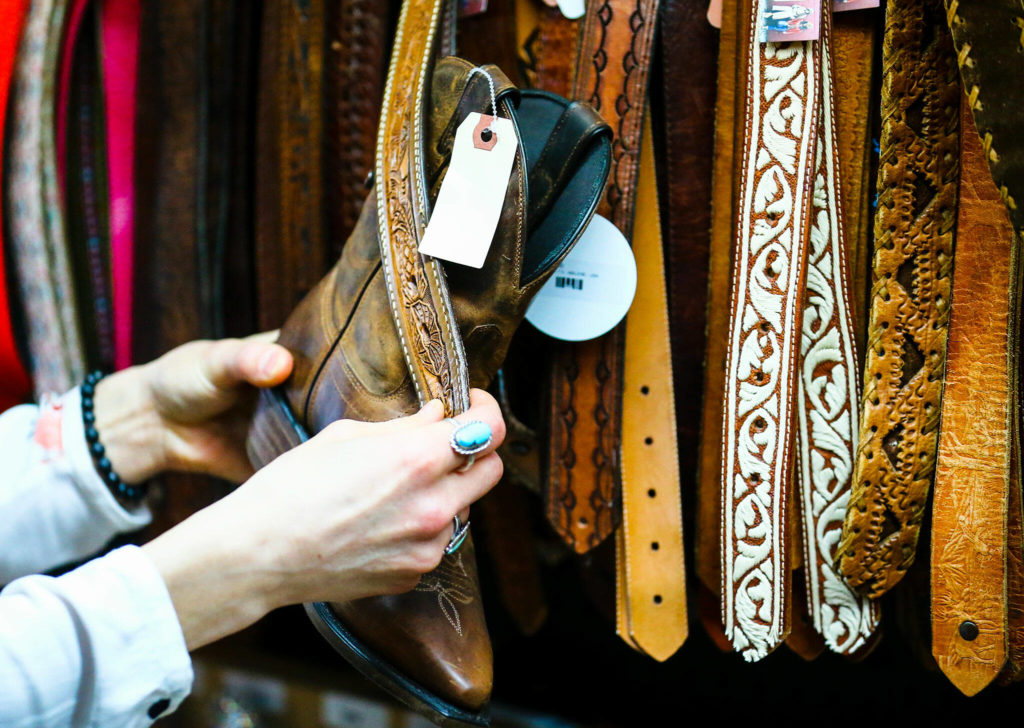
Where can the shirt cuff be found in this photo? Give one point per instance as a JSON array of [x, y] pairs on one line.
[[142, 666], [94, 491]]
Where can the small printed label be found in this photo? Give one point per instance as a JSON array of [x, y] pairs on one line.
[[592, 289], [572, 9], [841, 5], [468, 207], [788, 20]]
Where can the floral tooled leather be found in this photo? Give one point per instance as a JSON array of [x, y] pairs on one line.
[[906, 343], [773, 206], [583, 494]]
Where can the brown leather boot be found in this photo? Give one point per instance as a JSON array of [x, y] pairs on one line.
[[430, 646]]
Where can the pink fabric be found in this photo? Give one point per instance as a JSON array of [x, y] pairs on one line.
[[67, 55], [120, 43]]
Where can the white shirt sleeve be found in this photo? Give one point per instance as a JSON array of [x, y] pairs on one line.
[[54, 508], [98, 646]]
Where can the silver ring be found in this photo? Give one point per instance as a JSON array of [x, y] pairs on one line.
[[459, 533], [479, 440]]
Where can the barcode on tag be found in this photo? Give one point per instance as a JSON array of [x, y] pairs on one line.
[[566, 282]]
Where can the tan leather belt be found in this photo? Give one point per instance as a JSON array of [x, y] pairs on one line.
[[582, 497], [770, 246], [827, 392], [906, 342], [972, 471], [1014, 668], [651, 583]]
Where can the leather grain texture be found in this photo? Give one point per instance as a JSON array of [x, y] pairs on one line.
[[911, 266], [854, 43], [684, 141], [773, 207], [709, 471], [972, 470], [291, 248], [583, 493], [651, 590]]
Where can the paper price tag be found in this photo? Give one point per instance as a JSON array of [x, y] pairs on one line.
[[468, 207], [592, 289], [572, 9], [786, 20]]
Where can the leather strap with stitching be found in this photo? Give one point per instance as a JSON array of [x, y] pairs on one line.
[[582, 497], [773, 206], [827, 391]]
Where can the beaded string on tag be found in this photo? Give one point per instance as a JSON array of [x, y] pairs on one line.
[[132, 494], [487, 133]]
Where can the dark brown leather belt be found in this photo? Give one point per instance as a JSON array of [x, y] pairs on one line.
[[583, 492]]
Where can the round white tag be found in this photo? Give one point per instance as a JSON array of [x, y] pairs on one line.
[[592, 289], [572, 9]]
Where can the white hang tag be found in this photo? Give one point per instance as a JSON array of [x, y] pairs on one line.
[[572, 9], [465, 216], [592, 289]]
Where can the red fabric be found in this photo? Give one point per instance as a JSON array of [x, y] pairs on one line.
[[120, 42], [15, 384]]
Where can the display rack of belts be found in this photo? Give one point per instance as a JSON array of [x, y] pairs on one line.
[[786, 482]]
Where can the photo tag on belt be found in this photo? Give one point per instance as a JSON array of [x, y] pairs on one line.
[[840, 5], [786, 20], [465, 216], [592, 289]]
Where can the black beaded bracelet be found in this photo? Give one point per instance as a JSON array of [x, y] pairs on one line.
[[131, 494]]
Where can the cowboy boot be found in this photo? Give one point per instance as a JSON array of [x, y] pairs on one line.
[[430, 646]]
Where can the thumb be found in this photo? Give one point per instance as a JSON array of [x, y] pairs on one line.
[[253, 361]]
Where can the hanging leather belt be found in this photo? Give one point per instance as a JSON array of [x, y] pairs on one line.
[[972, 471], [353, 81], [853, 53], [827, 391], [770, 250], [709, 470], [33, 198], [651, 575], [914, 227], [291, 251], [547, 43], [582, 497]]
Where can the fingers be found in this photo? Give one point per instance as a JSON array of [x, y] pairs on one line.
[[436, 449], [255, 361], [430, 413]]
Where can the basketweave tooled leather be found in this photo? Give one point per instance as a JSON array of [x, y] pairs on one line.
[[349, 362], [686, 138], [854, 37], [707, 543], [989, 43], [827, 389], [355, 64], [972, 470], [292, 253], [772, 226], [911, 267], [32, 200], [582, 499]]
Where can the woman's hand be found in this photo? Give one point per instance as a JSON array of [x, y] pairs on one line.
[[361, 509], [188, 410]]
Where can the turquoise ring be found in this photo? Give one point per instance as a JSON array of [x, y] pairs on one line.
[[469, 439]]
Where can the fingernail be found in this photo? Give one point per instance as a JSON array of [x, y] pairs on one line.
[[270, 363]]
